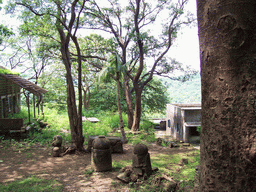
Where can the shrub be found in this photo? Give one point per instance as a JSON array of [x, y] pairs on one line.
[[198, 128], [147, 126]]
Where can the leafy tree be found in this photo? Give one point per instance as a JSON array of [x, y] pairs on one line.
[[60, 21], [227, 50], [95, 50], [53, 80], [103, 97], [130, 26], [155, 97], [4, 32], [114, 71]]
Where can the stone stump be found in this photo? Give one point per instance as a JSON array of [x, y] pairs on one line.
[[116, 145], [101, 159], [141, 159], [57, 148], [141, 166]]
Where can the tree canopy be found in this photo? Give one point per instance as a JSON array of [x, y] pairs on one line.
[[55, 34]]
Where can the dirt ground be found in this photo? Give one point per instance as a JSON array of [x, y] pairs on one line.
[[68, 170]]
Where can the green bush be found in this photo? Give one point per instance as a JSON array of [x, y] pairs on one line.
[[147, 125], [91, 129], [198, 128], [23, 114]]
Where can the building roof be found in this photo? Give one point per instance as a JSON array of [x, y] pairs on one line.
[[193, 106], [187, 105], [190, 108], [25, 84]]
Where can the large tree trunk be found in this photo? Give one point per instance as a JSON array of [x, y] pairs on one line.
[[86, 98], [77, 138], [227, 35], [137, 110], [128, 98], [123, 136], [75, 119], [79, 130]]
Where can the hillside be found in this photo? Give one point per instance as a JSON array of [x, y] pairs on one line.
[[185, 92]]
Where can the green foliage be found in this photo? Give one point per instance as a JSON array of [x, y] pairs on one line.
[[88, 171], [198, 129], [23, 114], [155, 97], [54, 81], [108, 121], [31, 184], [103, 98], [179, 172], [4, 32], [58, 125], [147, 126], [57, 119], [112, 120], [8, 72], [91, 129], [142, 137], [185, 92]]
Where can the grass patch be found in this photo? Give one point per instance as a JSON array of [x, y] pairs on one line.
[[88, 171], [58, 124], [169, 165], [117, 165], [32, 184]]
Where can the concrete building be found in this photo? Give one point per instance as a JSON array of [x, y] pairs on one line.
[[182, 121]]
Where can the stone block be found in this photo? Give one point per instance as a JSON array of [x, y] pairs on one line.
[[116, 144], [101, 159]]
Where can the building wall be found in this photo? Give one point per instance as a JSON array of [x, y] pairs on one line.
[[193, 115], [9, 97], [177, 118], [174, 121]]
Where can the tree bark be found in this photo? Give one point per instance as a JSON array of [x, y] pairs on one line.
[[228, 71], [128, 99], [75, 120], [123, 136], [136, 80], [86, 99], [79, 130], [137, 110]]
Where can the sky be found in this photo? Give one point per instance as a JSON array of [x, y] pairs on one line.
[[185, 49]]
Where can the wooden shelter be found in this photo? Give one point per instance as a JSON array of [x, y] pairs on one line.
[[10, 91]]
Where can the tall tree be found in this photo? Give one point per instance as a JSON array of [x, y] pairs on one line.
[[94, 49], [115, 70], [228, 70], [130, 25], [47, 19]]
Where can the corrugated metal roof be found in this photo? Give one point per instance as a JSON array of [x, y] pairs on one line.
[[25, 84]]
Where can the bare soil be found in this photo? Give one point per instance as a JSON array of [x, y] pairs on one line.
[[68, 170]]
